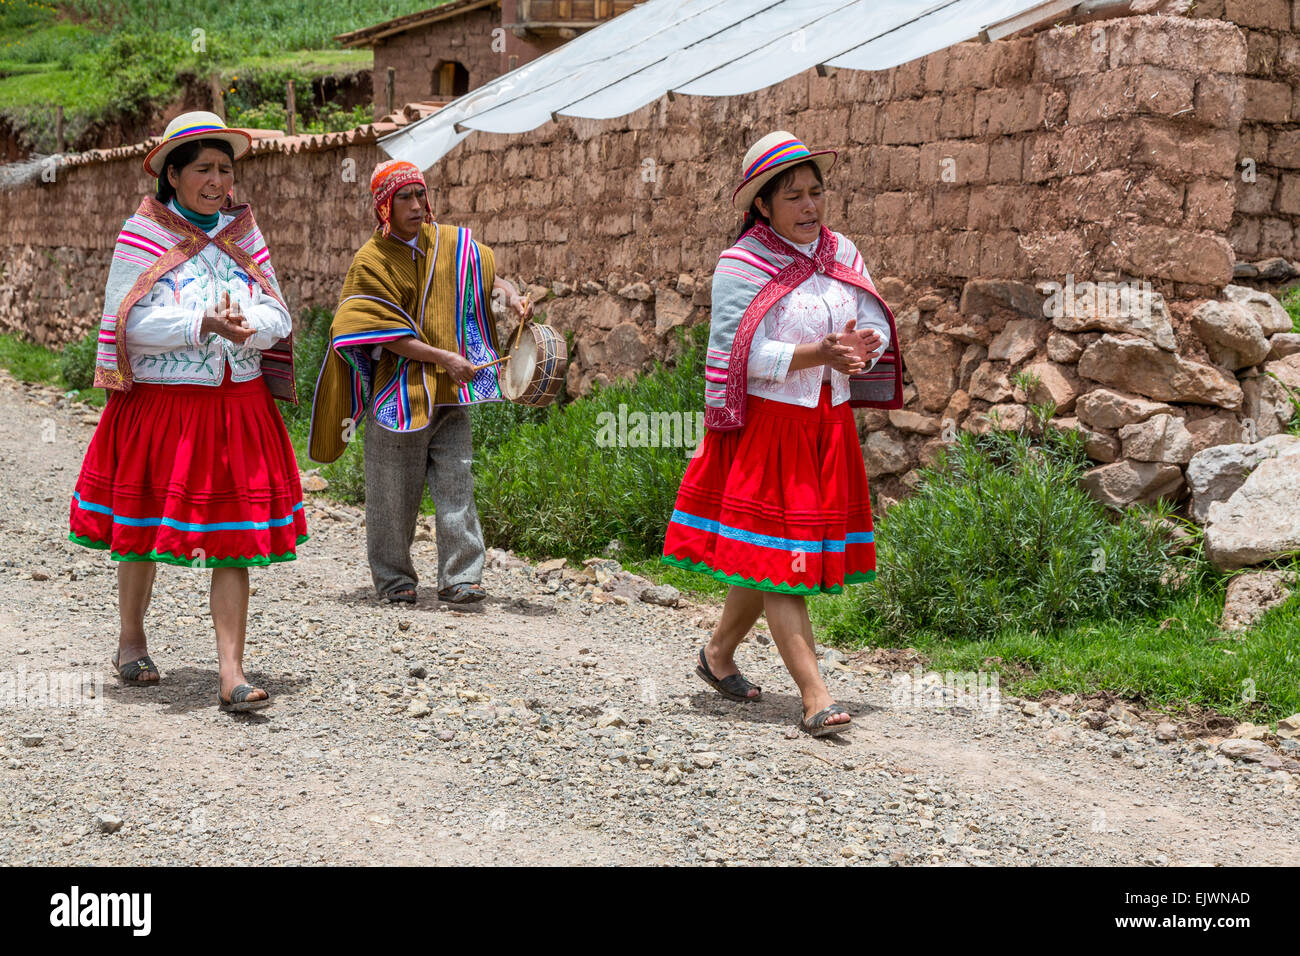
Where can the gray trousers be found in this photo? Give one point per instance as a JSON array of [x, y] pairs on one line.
[[398, 465]]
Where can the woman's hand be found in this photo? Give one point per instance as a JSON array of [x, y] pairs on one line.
[[839, 352], [869, 344], [227, 321]]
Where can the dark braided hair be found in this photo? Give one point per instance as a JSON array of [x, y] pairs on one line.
[[182, 156], [779, 181]]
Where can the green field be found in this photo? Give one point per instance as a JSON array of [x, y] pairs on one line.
[[101, 59]]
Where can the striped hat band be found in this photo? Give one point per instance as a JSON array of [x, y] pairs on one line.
[[780, 153]]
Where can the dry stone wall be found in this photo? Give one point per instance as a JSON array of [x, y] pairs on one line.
[[982, 183]]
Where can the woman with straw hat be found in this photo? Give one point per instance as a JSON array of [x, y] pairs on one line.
[[775, 502], [191, 463]]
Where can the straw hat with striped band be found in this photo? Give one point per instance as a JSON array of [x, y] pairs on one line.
[[196, 125], [770, 155]]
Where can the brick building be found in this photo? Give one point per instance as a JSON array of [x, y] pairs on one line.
[[455, 47]]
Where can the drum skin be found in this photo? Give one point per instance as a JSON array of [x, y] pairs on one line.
[[534, 372]]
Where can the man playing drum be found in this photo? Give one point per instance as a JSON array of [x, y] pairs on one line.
[[413, 326]]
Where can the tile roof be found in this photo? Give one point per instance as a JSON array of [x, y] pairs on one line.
[[277, 141]]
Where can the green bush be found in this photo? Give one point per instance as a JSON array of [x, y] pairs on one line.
[[78, 362], [1291, 302], [1000, 533], [550, 488]]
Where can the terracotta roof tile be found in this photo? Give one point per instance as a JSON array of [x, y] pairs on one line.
[[277, 141]]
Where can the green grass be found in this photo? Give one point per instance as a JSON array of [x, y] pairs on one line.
[[29, 362], [1171, 658], [1291, 302], [101, 59]]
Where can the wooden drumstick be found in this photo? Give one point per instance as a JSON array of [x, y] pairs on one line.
[[490, 364], [507, 358]]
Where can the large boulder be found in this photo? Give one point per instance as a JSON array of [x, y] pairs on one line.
[[1216, 473], [885, 455], [1268, 399], [1221, 428], [1261, 521], [915, 422], [1231, 333], [1130, 482], [1064, 348], [1119, 309], [1007, 417], [1017, 341], [1136, 365], [982, 296], [1056, 383], [1284, 344], [1250, 596], [932, 361], [1268, 311], [1106, 408], [990, 383], [1096, 445], [1159, 438]]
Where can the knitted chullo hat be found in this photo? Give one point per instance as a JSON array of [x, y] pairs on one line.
[[386, 180]]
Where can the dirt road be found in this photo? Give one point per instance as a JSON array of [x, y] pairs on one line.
[[540, 728]]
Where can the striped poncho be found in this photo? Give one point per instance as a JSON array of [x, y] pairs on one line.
[[156, 240], [442, 298], [751, 277]]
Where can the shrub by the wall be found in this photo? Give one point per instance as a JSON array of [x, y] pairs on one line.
[[553, 487], [1000, 533]]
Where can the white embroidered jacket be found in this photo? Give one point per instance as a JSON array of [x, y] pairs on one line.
[[162, 334], [818, 307]]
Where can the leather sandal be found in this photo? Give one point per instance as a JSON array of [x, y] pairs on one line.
[[239, 702], [816, 725], [130, 672], [400, 596], [733, 686], [462, 593]]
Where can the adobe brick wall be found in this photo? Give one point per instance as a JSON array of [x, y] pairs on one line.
[[414, 55], [1266, 219], [1106, 150]]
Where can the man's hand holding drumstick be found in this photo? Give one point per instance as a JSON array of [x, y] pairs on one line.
[[457, 366]]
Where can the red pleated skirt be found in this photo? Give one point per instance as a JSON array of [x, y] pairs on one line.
[[191, 474], [779, 505]]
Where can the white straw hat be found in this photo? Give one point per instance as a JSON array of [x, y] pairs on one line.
[[768, 157], [196, 125]]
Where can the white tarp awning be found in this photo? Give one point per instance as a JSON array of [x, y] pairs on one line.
[[703, 48]]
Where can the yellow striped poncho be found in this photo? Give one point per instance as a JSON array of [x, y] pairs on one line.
[[443, 297]]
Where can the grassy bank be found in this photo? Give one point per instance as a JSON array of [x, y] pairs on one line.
[[107, 59]]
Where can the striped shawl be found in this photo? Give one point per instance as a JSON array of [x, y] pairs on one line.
[[751, 277], [153, 242], [443, 298]]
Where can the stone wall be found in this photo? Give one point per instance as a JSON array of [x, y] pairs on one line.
[[1266, 220], [967, 178]]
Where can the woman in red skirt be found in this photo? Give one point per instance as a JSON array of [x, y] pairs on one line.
[[776, 502], [191, 463]]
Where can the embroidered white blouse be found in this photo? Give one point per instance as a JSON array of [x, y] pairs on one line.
[[162, 334], [819, 306]]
